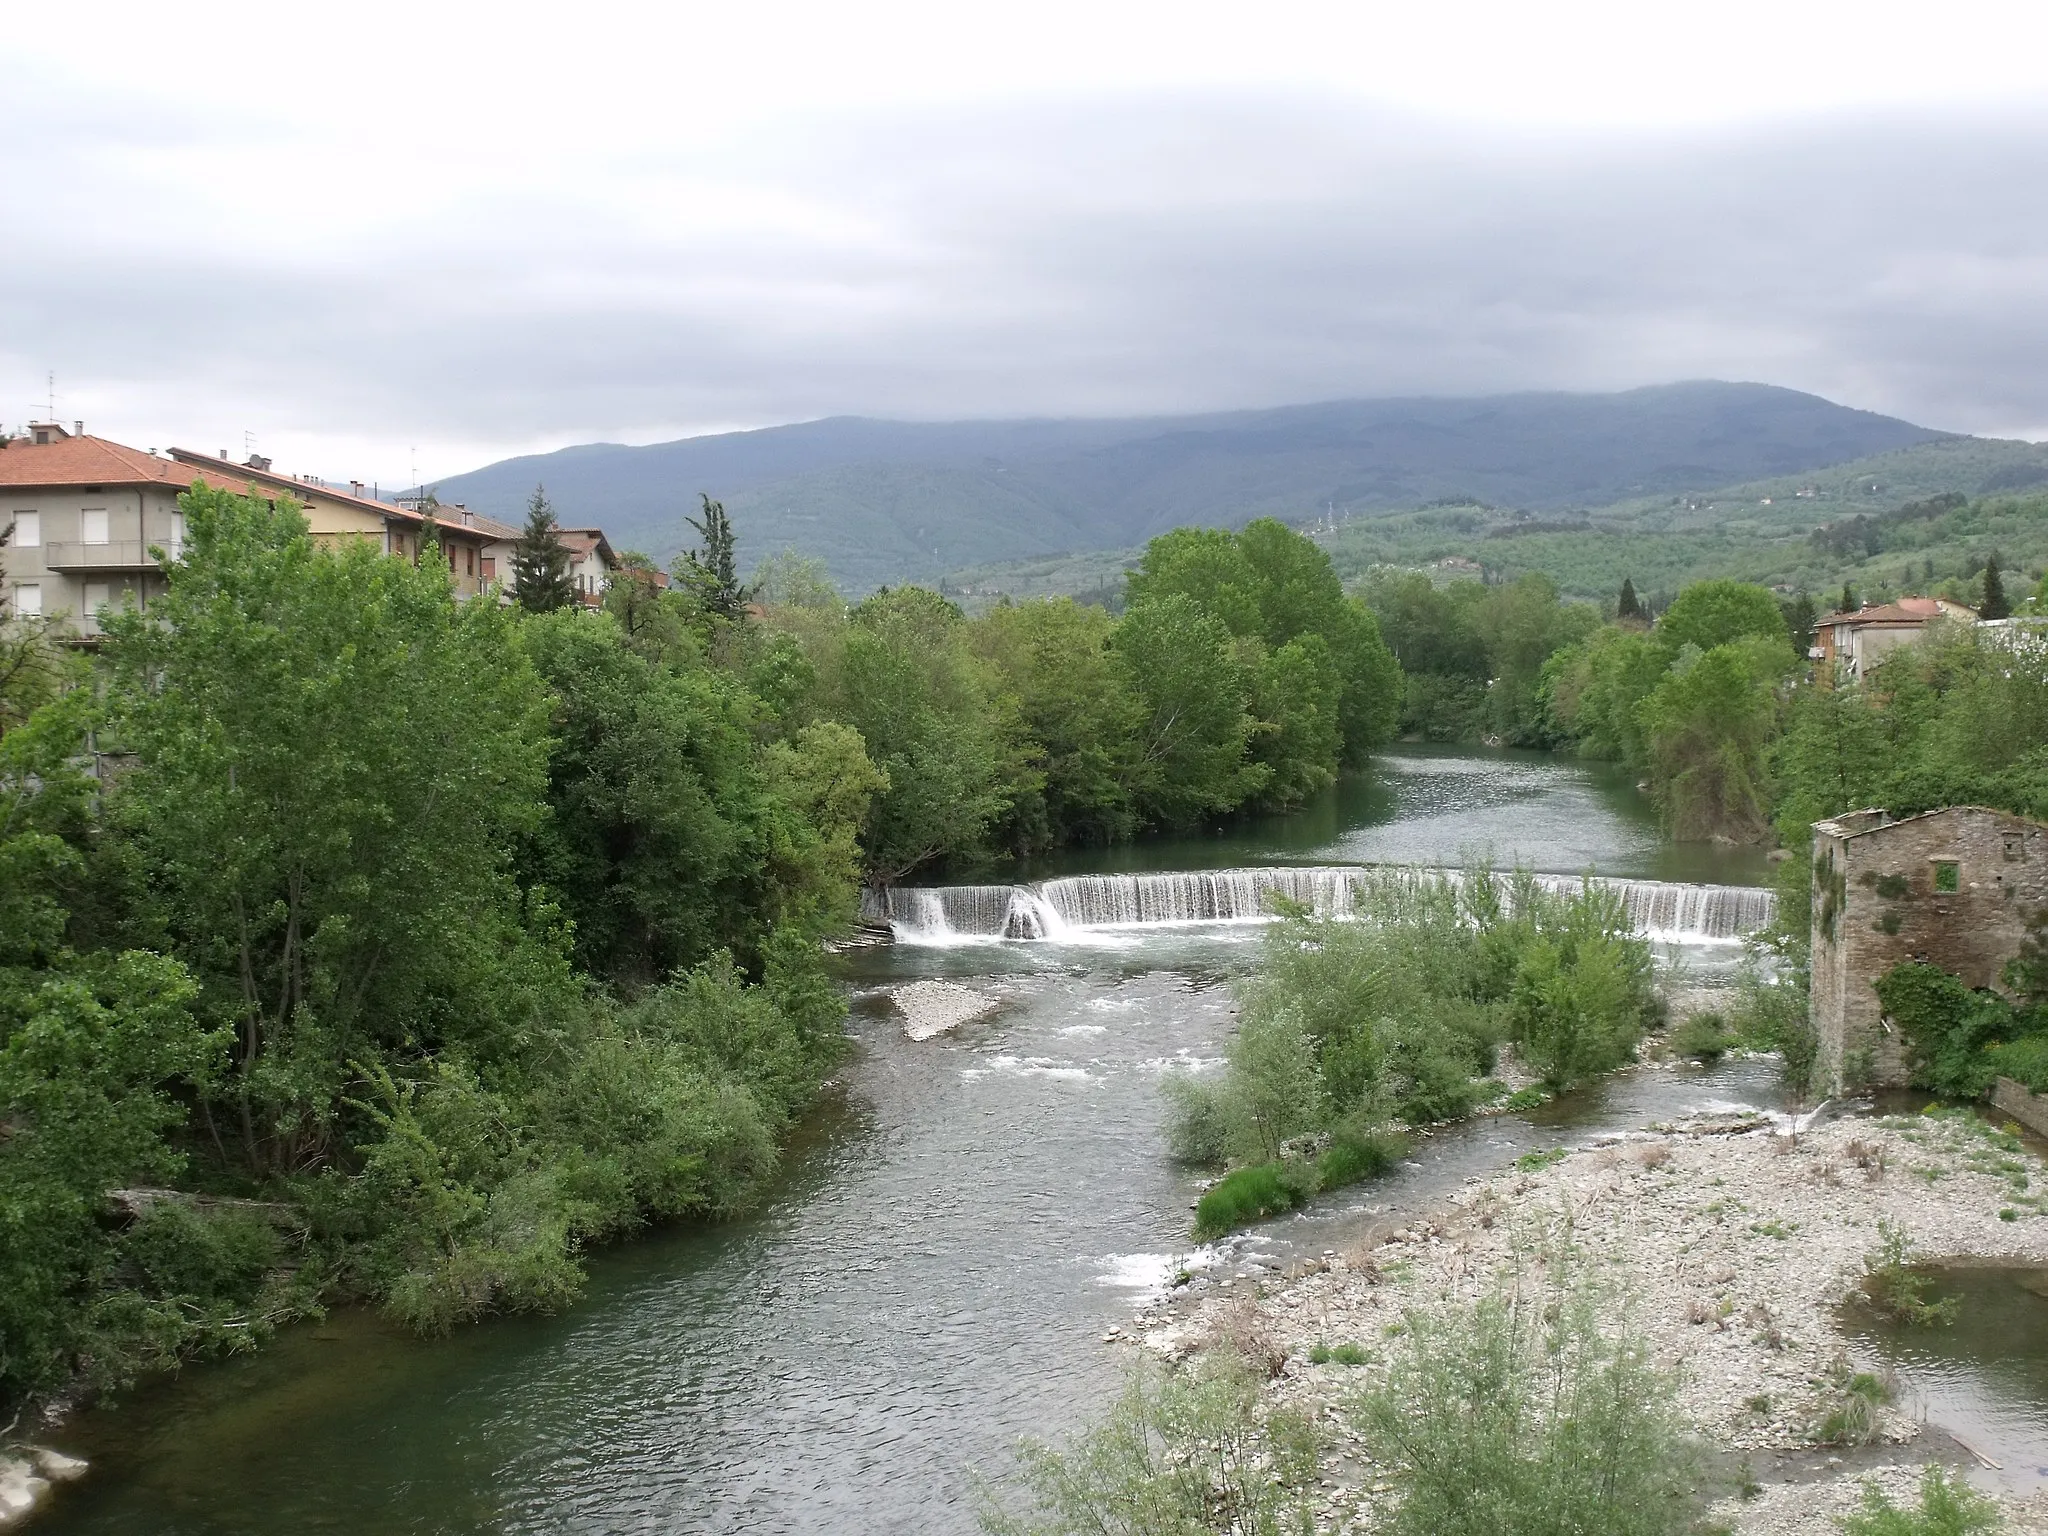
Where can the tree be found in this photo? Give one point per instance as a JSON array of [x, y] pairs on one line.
[[1711, 613], [1848, 599], [713, 571], [1195, 719], [1995, 604], [1708, 723], [1627, 606], [1077, 711], [540, 560], [335, 759]]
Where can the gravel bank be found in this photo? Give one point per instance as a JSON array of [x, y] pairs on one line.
[[932, 1007], [1736, 1245]]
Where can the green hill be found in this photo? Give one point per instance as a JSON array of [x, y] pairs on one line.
[[1759, 530], [885, 502]]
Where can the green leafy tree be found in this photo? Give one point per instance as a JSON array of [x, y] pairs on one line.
[[334, 760], [540, 560], [1297, 695], [1079, 713], [1627, 606], [902, 673], [1180, 663], [1708, 724], [1711, 613]]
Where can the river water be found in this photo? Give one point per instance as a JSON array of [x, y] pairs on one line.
[[958, 1226]]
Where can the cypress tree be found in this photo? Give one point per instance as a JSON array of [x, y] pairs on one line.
[[540, 560], [1848, 599], [714, 571], [1626, 606], [1995, 605]]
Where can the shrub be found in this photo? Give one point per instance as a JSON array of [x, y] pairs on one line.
[[1894, 1287], [1183, 1452], [1252, 1194], [1197, 1119], [1948, 1507], [1947, 1026], [1355, 1154], [1704, 1038], [1520, 1417], [2024, 1061], [1848, 1412]]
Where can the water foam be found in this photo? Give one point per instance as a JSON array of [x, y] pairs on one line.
[[1081, 909]]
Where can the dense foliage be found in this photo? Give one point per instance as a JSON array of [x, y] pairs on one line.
[[1392, 1015], [1239, 676], [397, 948]]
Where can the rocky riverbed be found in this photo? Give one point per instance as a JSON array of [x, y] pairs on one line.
[[1735, 1243]]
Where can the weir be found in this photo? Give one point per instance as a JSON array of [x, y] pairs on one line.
[[1052, 909]]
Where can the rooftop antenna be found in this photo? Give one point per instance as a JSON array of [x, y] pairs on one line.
[[53, 396], [248, 444]]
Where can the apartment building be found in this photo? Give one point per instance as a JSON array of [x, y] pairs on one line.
[[85, 514], [479, 549]]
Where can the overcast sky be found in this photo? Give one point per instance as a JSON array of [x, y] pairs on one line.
[[395, 234]]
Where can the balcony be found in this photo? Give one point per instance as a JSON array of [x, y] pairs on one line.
[[120, 555]]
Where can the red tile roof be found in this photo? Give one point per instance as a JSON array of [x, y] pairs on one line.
[[445, 517], [581, 541], [1907, 610], [79, 461]]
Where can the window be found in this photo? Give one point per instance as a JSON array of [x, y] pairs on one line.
[[176, 547], [490, 568], [97, 595], [28, 600], [2015, 847], [1947, 876], [92, 526], [28, 530]]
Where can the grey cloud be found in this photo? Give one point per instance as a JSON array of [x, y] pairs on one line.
[[1076, 258]]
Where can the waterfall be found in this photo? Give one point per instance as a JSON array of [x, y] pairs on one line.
[[1663, 910]]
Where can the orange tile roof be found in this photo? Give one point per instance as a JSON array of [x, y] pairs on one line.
[[79, 461], [448, 517], [1907, 610]]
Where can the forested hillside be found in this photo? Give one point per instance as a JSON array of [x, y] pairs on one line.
[[886, 502]]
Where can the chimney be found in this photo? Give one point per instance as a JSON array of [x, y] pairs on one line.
[[224, 456], [78, 429], [355, 488]]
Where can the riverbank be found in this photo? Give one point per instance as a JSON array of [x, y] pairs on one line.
[[1737, 1244]]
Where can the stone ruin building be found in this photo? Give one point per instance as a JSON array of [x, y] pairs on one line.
[[1957, 888]]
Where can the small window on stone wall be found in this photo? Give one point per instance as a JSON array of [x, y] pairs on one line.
[[1947, 876], [2015, 847]]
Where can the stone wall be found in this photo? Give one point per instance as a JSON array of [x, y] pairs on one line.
[[2030, 1109], [1956, 888]]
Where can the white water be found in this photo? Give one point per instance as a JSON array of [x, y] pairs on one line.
[[1079, 906]]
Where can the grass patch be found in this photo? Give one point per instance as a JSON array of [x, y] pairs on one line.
[[1536, 1162], [1895, 1287], [1252, 1194], [1356, 1155], [1948, 1506], [1339, 1354]]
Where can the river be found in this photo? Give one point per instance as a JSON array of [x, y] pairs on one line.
[[959, 1224]]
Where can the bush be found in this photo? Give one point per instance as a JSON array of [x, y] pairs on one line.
[[1519, 1417], [1894, 1287], [1947, 1027], [1182, 1452], [1252, 1194], [1848, 1414], [1355, 1154], [2024, 1061], [1948, 1507], [1704, 1038]]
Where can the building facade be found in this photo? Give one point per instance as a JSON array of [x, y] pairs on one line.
[[1957, 888], [86, 519], [591, 564], [1850, 643]]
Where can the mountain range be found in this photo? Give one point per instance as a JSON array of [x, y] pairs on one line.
[[891, 501]]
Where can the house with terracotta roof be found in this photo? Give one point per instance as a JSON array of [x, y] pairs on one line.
[[478, 548], [1848, 644], [591, 564], [85, 518]]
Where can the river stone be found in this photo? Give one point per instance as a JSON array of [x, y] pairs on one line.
[[20, 1489], [932, 1007]]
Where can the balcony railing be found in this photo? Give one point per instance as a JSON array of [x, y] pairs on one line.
[[120, 555]]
